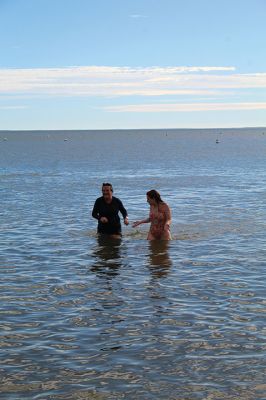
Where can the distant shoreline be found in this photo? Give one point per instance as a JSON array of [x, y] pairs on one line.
[[252, 128]]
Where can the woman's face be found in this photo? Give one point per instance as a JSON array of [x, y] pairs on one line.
[[151, 201]]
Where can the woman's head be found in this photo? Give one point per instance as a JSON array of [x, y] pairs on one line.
[[153, 197]]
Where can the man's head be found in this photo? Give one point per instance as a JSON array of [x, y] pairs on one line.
[[107, 191]]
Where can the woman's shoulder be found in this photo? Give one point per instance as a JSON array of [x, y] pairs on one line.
[[163, 205]]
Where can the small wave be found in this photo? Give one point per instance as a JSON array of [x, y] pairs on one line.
[[13, 175], [136, 234], [82, 232]]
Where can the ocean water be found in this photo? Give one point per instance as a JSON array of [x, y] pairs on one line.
[[83, 318]]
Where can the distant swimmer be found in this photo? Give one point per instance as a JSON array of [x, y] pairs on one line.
[[160, 217], [106, 210]]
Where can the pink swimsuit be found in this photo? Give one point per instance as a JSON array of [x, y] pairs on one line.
[[158, 220]]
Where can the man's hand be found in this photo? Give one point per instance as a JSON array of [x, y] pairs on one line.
[[103, 220], [126, 221]]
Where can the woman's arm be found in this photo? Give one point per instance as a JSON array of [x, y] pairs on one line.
[[143, 221], [168, 218]]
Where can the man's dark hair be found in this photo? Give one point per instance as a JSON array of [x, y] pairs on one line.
[[107, 184]]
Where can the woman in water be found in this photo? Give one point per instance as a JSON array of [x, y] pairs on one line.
[[160, 217]]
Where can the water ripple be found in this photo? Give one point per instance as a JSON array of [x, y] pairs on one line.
[[86, 319]]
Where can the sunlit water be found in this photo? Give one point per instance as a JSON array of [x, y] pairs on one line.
[[83, 318]]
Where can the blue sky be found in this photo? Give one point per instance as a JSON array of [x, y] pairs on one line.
[[114, 64]]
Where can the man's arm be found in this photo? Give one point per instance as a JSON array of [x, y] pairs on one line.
[[123, 211], [96, 211]]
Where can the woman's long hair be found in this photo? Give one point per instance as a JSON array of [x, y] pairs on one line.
[[153, 194]]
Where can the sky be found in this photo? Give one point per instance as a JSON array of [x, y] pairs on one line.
[[132, 64]]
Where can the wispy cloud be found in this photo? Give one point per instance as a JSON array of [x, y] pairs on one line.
[[104, 81], [138, 16], [12, 107], [107, 81], [187, 107]]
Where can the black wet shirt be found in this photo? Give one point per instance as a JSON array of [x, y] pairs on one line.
[[110, 211]]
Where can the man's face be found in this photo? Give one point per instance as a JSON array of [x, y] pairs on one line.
[[107, 192]]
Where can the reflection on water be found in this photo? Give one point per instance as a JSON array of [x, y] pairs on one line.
[[107, 256], [158, 257]]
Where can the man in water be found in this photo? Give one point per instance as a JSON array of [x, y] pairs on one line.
[[106, 209]]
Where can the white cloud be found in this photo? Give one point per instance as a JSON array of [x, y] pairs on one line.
[[101, 81], [104, 81], [12, 107], [138, 16], [187, 107]]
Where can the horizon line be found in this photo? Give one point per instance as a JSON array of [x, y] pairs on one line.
[[128, 129]]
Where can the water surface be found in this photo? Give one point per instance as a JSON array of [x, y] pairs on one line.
[[83, 317]]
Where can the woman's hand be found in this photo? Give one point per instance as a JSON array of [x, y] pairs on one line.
[[126, 221], [103, 220], [136, 223]]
